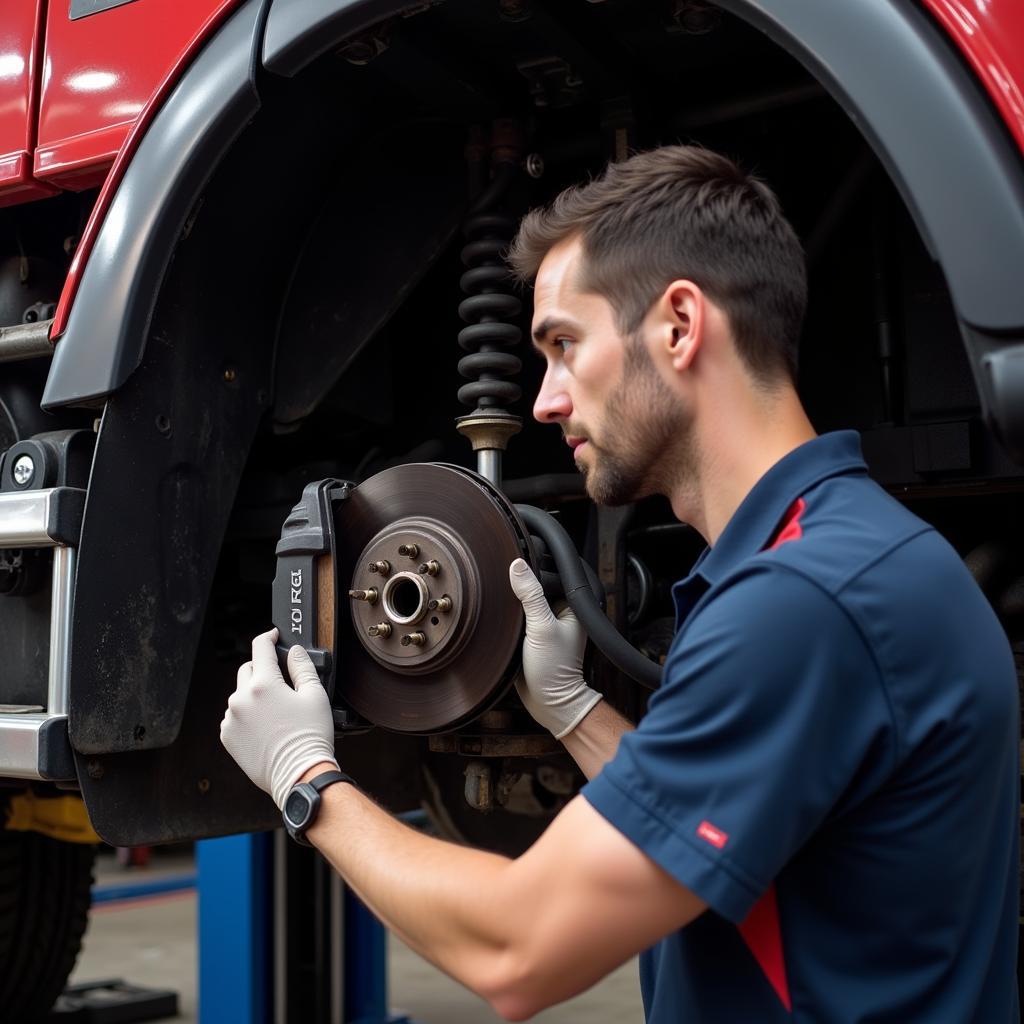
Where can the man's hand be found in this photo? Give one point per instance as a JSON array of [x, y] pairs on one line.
[[552, 686], [275, 732]]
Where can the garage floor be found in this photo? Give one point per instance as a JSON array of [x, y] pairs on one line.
[[152, 942]]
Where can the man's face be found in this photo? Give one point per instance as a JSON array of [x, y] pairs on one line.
[[629, 431]]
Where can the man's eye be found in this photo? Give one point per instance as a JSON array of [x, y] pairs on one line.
[[563, 344]]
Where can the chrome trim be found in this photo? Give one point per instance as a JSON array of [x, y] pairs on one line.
[[62, 595], [24, 517]]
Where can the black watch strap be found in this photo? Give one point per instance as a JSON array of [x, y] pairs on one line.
[[325, 779]]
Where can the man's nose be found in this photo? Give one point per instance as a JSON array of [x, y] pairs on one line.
[[553, 403]]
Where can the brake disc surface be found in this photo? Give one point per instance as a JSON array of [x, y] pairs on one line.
[[435, 628]]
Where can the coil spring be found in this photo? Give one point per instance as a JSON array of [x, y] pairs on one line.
[[486, 311]]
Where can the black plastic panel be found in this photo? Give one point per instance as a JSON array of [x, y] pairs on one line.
[[106, 333], [56, 762]]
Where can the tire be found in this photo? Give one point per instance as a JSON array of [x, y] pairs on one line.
[[44, 909]]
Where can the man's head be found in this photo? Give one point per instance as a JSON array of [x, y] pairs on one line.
[[675, 240]]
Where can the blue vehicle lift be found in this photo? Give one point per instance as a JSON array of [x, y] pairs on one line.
[[281, 939]]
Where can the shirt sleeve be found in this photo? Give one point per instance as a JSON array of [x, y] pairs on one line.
[[771, 705]]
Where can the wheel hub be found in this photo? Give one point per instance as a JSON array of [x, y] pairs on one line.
[[427, 603]]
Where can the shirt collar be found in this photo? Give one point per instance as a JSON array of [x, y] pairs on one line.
[[755, 521]]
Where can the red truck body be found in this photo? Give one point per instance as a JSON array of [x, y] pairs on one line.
[[71, 91]]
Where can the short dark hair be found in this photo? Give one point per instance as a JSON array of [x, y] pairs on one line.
[[682, 212]]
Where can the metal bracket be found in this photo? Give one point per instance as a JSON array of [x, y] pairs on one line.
[[34, 744]]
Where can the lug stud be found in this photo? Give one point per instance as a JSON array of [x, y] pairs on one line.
[[431, 568], [382, 629], [417, 639], [440, 604], [369, 596], [409, 550], [383, 567]]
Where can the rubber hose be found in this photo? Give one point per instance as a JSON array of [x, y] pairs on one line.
[[554, 590], [609, 641]]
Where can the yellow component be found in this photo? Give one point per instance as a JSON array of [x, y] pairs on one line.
[[59, 817]]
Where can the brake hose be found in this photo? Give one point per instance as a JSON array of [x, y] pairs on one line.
[[608, 640]]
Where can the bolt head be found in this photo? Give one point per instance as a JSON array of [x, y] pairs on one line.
[[24, 470]]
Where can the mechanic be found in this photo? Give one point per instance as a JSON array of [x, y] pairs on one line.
[[817, 818]]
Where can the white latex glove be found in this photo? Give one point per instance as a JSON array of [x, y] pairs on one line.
[[274, 732], [551, 686]]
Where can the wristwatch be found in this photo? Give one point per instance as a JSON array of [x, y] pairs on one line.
[[302, 804]]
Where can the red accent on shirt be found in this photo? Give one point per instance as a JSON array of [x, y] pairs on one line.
[[761, 932], [715, 836], [790, 528], [760, 929]]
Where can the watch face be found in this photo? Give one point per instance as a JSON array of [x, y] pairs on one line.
[[296, 808]]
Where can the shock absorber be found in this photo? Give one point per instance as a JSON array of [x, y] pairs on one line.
[[488, 309]]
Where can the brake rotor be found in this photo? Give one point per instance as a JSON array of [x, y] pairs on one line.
[[423, 552]]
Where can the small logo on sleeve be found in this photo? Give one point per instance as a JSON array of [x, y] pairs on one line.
[[715, 836]]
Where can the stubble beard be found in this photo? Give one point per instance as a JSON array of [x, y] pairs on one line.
[[647, 438]]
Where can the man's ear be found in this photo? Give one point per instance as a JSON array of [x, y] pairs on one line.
[[680, 312]]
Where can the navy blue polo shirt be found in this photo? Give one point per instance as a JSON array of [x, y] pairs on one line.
[[831, 764]]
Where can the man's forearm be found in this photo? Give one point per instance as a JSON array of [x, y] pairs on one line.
[[439, 898], [523, 933], [595, 740]]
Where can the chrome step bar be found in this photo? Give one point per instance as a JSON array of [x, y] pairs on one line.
[[34, 744]]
